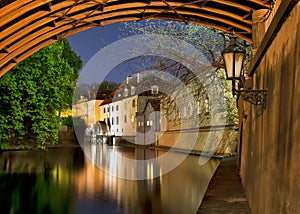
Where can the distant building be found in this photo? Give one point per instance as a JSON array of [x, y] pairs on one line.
[[130, 113], [87, 109]]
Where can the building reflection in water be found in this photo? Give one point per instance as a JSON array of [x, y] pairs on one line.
[[64, 180], [179, 191]]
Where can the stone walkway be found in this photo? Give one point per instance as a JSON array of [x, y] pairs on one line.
[[225, 193]]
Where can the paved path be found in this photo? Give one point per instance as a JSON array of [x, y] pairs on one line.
[[225, 193]]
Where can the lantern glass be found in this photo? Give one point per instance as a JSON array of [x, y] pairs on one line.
[[238, 64], [228, 59]]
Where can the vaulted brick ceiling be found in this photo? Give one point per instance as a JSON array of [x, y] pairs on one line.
[[29, 25]]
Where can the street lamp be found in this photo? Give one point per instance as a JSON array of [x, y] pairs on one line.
[[233, 57]]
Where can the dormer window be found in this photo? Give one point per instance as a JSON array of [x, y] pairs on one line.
[[132, 90], [126, 92], [154, 89]]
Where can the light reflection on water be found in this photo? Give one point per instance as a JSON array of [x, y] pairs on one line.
[[65, 181]]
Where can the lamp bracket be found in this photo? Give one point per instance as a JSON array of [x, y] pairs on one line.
[[253, 96]]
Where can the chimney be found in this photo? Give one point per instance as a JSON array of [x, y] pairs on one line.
[[139, 77], [128, 78]]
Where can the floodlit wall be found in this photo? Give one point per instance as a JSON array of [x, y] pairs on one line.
[[121, 114], [270, 150]]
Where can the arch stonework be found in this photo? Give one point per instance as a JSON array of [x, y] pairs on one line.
[[26, 26]]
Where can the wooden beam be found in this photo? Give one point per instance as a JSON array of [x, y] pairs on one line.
[[28, 53], [12, 6], [239, 6], [20, 11], [21, 33], [18, 39]]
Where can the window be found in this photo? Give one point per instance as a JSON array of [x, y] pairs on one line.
[[154, 89], [151, 123], [112, 108], [198, 107], [126, 92], [125, 119], [148, 123], [117, 120], [112, 121], [132, 90], [133, 103], [117, 108], [132, 118], [108, 109], [104, 110]]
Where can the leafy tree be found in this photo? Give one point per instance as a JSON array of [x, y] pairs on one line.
[[34, 91], [90, 91], [108, 85]]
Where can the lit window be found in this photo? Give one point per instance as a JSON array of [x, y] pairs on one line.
[[126, 92], [154, 89], [132, 118], [148, 123], [132, 90], [198, 107], [151, 123]]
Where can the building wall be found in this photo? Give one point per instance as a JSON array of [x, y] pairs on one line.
[[88, 110], [190, 123], [120, 109], [270, 149]]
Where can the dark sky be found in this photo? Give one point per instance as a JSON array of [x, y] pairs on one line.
[[87, 43]]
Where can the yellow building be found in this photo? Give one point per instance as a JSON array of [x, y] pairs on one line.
[[88, 109]]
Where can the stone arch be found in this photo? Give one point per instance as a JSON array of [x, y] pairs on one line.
[[26, 26]]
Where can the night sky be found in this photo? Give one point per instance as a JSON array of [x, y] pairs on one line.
[[87, 43]]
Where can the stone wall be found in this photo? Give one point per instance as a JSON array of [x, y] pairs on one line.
[[218, 141], [270, 148]]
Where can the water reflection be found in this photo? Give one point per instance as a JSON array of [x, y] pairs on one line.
[[64, 181]]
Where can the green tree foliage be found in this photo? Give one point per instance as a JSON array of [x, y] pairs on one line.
[[34, 91], [90, 91]]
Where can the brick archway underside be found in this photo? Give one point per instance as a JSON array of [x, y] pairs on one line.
[[26, 26]]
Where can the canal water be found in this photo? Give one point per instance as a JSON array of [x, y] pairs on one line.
[[65, 180]]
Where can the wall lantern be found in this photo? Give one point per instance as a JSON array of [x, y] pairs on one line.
[[233, 57]]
